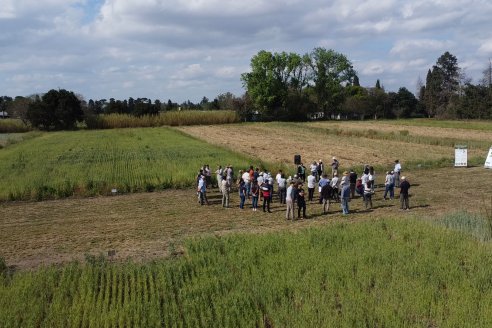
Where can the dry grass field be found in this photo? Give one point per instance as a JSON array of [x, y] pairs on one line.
[[424, 131], [278, 142], [154, 225]]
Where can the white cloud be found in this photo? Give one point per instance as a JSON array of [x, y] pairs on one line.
[[187, 49]]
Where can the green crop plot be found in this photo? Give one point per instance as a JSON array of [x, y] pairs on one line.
[[380, 273], [62, 164]]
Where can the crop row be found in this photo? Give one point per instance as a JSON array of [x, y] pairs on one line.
[[378, 273], [62, 164]]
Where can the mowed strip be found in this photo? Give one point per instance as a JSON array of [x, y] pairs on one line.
[[278, 142], [153, 225], [460, 134]]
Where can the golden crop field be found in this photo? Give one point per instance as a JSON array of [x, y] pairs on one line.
[[353, 143]]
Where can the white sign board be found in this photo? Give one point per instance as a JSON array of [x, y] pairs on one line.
[[460, 156], [488, 161]]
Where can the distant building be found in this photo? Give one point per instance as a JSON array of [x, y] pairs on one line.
[[316, 116], [4, 115]]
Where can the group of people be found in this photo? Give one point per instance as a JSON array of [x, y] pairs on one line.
[[255, 186]]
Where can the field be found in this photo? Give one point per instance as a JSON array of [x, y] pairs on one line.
[[88, 163], [375, 273], [180, 264], [354, 144]]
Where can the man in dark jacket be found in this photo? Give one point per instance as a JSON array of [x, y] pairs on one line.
[[404, 186]]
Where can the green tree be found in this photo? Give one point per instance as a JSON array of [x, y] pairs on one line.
[[268, 83], [442, 86], [329, 71], [56, 110]]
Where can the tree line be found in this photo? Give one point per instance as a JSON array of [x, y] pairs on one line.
[[321, 84]]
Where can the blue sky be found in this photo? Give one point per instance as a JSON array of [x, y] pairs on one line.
[[187, 49]]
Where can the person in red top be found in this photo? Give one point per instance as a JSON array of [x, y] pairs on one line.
[[265, 190], [404, 186]]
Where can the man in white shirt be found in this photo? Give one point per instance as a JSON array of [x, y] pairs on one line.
[[290, 201], [334, 184], [282, 188], [397, 171], [311, 181], [247, 183]]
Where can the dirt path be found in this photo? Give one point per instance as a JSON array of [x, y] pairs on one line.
[[152, 225]]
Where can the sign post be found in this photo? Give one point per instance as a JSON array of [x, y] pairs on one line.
[[488, 161], [460, 156]]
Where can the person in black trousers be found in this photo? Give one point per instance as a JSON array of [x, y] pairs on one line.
[[301, 203], [404, 186]]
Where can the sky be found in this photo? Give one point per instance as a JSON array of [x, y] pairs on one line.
[[187, 49]]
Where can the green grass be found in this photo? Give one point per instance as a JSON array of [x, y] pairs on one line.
[[62, 164], [387, 273]]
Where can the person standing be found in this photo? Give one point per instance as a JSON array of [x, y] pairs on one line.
[[334, 167], [266, 190], [397, 172], [368, 195], [226, 190], [353, 182], [321, 169], [372, 178], [202, 190], [242, 193], [404, 186], [255, 193], [389, 185], [219, 174], [334, 184], [208, 175], [289, 200], [314, 169], [325, 196], [301, 172], [322, 182], [301, 203], [345, 199], [247, 182], [311, 182], [282, 188]]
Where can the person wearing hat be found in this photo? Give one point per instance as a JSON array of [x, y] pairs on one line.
[[404, 186], [345, 196]]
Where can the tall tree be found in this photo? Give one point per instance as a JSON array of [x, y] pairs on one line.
[[269, 81], [330, 70], [56, 110]]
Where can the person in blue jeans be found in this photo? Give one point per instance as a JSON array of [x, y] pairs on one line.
[[255, 193], [242, 193], [345, 199], [389, 185]]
